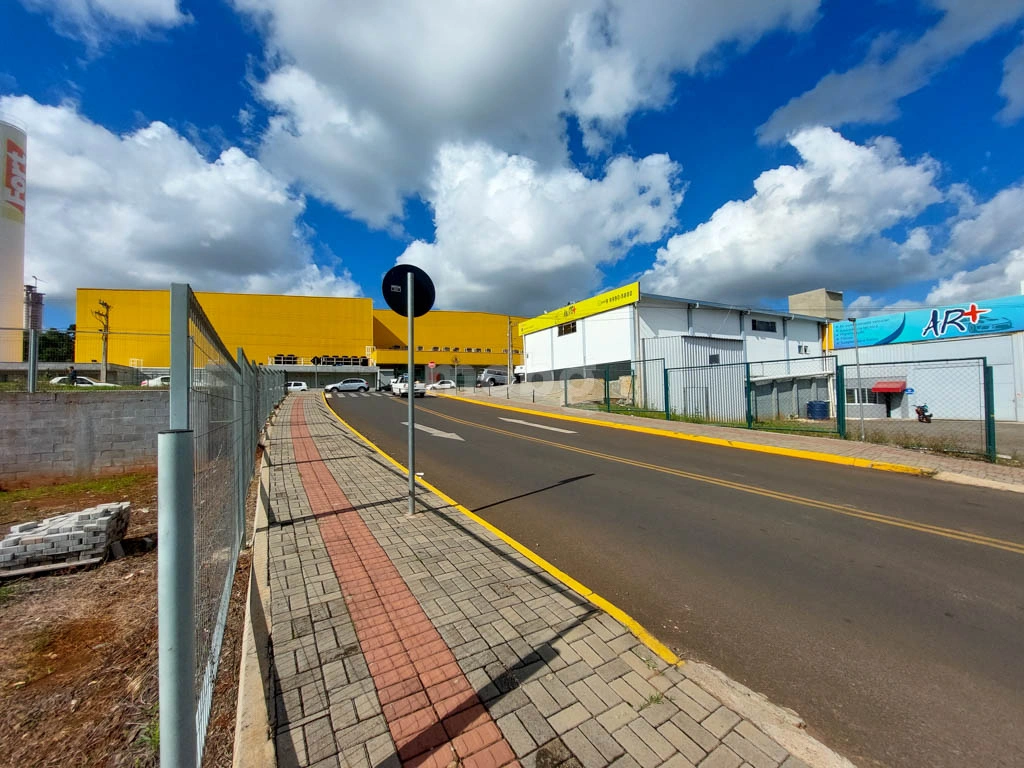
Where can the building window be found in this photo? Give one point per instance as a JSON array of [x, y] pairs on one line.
[[478, 349], [488, 350], [504, 351], [866, 396], [714, 359], [767, 326], [447, 349], [419, 349], [455, 349], [566, 328], [434, 349]]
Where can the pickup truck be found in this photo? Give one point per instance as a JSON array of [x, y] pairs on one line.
[[400, 387]]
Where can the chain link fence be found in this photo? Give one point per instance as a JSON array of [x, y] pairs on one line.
[[939, 405], [219, 403], [46, 360]]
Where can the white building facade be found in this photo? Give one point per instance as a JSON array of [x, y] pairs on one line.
[[912, 352], [625, 326]]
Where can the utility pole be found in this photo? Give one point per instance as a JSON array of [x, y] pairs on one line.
[[103, 315], [508, 377]]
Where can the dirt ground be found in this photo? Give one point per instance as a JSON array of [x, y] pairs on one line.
[[78, 648]]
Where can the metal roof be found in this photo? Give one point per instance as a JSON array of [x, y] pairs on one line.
[[717, 305]]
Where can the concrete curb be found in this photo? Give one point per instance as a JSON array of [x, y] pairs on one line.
[[784, 726], [796, 453], [254, 733], [979, 482]]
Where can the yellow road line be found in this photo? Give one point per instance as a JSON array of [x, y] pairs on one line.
[[842, 509], [645, 637], [794, 453]]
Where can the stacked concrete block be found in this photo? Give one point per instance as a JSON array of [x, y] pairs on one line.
[[68, 538]]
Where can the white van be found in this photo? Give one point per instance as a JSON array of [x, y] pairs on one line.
[[297, 386]]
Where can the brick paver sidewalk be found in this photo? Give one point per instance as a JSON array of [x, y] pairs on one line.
[[428, 641]]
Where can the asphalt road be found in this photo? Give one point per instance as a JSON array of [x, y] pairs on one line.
[[888, 610]]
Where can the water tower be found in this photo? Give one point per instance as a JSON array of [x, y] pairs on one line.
[[12, 240]]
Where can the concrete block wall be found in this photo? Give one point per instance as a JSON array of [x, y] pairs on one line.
[[64, 436]]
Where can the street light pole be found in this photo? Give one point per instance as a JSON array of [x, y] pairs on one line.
[[411, 393], [856, 355]]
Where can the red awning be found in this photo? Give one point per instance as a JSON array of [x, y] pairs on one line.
[[889, 386]]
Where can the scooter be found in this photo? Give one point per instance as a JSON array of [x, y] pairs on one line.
[[923, 414]]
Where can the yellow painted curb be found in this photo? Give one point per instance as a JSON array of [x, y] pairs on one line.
[[794, 453], [595, 599]]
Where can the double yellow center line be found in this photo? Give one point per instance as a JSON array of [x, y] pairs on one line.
[[841, 509]]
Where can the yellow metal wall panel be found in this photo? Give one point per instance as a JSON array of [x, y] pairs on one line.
[[304, 326], [453, 334], [617, 297]]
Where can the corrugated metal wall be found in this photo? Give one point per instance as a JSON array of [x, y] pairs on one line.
[[693, 351]]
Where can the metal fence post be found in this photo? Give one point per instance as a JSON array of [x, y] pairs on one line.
[[175, 591], [241, 440], [750, 413], [990, 412], [33, 359], [668, 408], [841, 400], [181, 374], [607, 388], [565, 392]]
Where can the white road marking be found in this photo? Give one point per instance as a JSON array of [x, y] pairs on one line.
[[538, 426], [436, 432], [364, 394], [329, 395]]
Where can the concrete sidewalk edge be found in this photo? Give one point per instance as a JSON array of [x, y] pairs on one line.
[[783, 725], [254, 733], [796, 453], [954, 477]]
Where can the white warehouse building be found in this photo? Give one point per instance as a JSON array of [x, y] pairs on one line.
[[698, 349]]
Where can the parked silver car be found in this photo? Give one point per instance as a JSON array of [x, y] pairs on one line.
[[348, 385]]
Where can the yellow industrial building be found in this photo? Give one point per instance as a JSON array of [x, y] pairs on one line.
[[292, 330]]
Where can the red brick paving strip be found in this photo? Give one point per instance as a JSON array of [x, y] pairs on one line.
[[432, 711]]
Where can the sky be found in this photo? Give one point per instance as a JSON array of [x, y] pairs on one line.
[[525, 153]]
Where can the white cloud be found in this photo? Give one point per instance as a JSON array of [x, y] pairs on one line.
[[367, 93], [1012, 87], [869, 92], [144, 209], [511, 236], [93, 21], [623, 54], [817, 224], [989, 248]]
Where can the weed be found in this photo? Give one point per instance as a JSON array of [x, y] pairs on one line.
[[150, 736], [7, 592], [654, 698]]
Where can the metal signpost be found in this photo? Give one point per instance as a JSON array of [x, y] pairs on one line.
[[860, 389], [409, 292]]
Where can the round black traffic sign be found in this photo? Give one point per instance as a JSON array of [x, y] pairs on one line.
[[394, 288]]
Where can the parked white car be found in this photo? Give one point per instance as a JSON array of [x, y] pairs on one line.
[[443, 384], [348, 385], [158, 381], [297, 386], [80, 381]]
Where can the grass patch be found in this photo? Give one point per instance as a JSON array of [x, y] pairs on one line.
[[7, 593], [106, 485]]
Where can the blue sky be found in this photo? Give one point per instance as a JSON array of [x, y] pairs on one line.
[[526, 154]]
